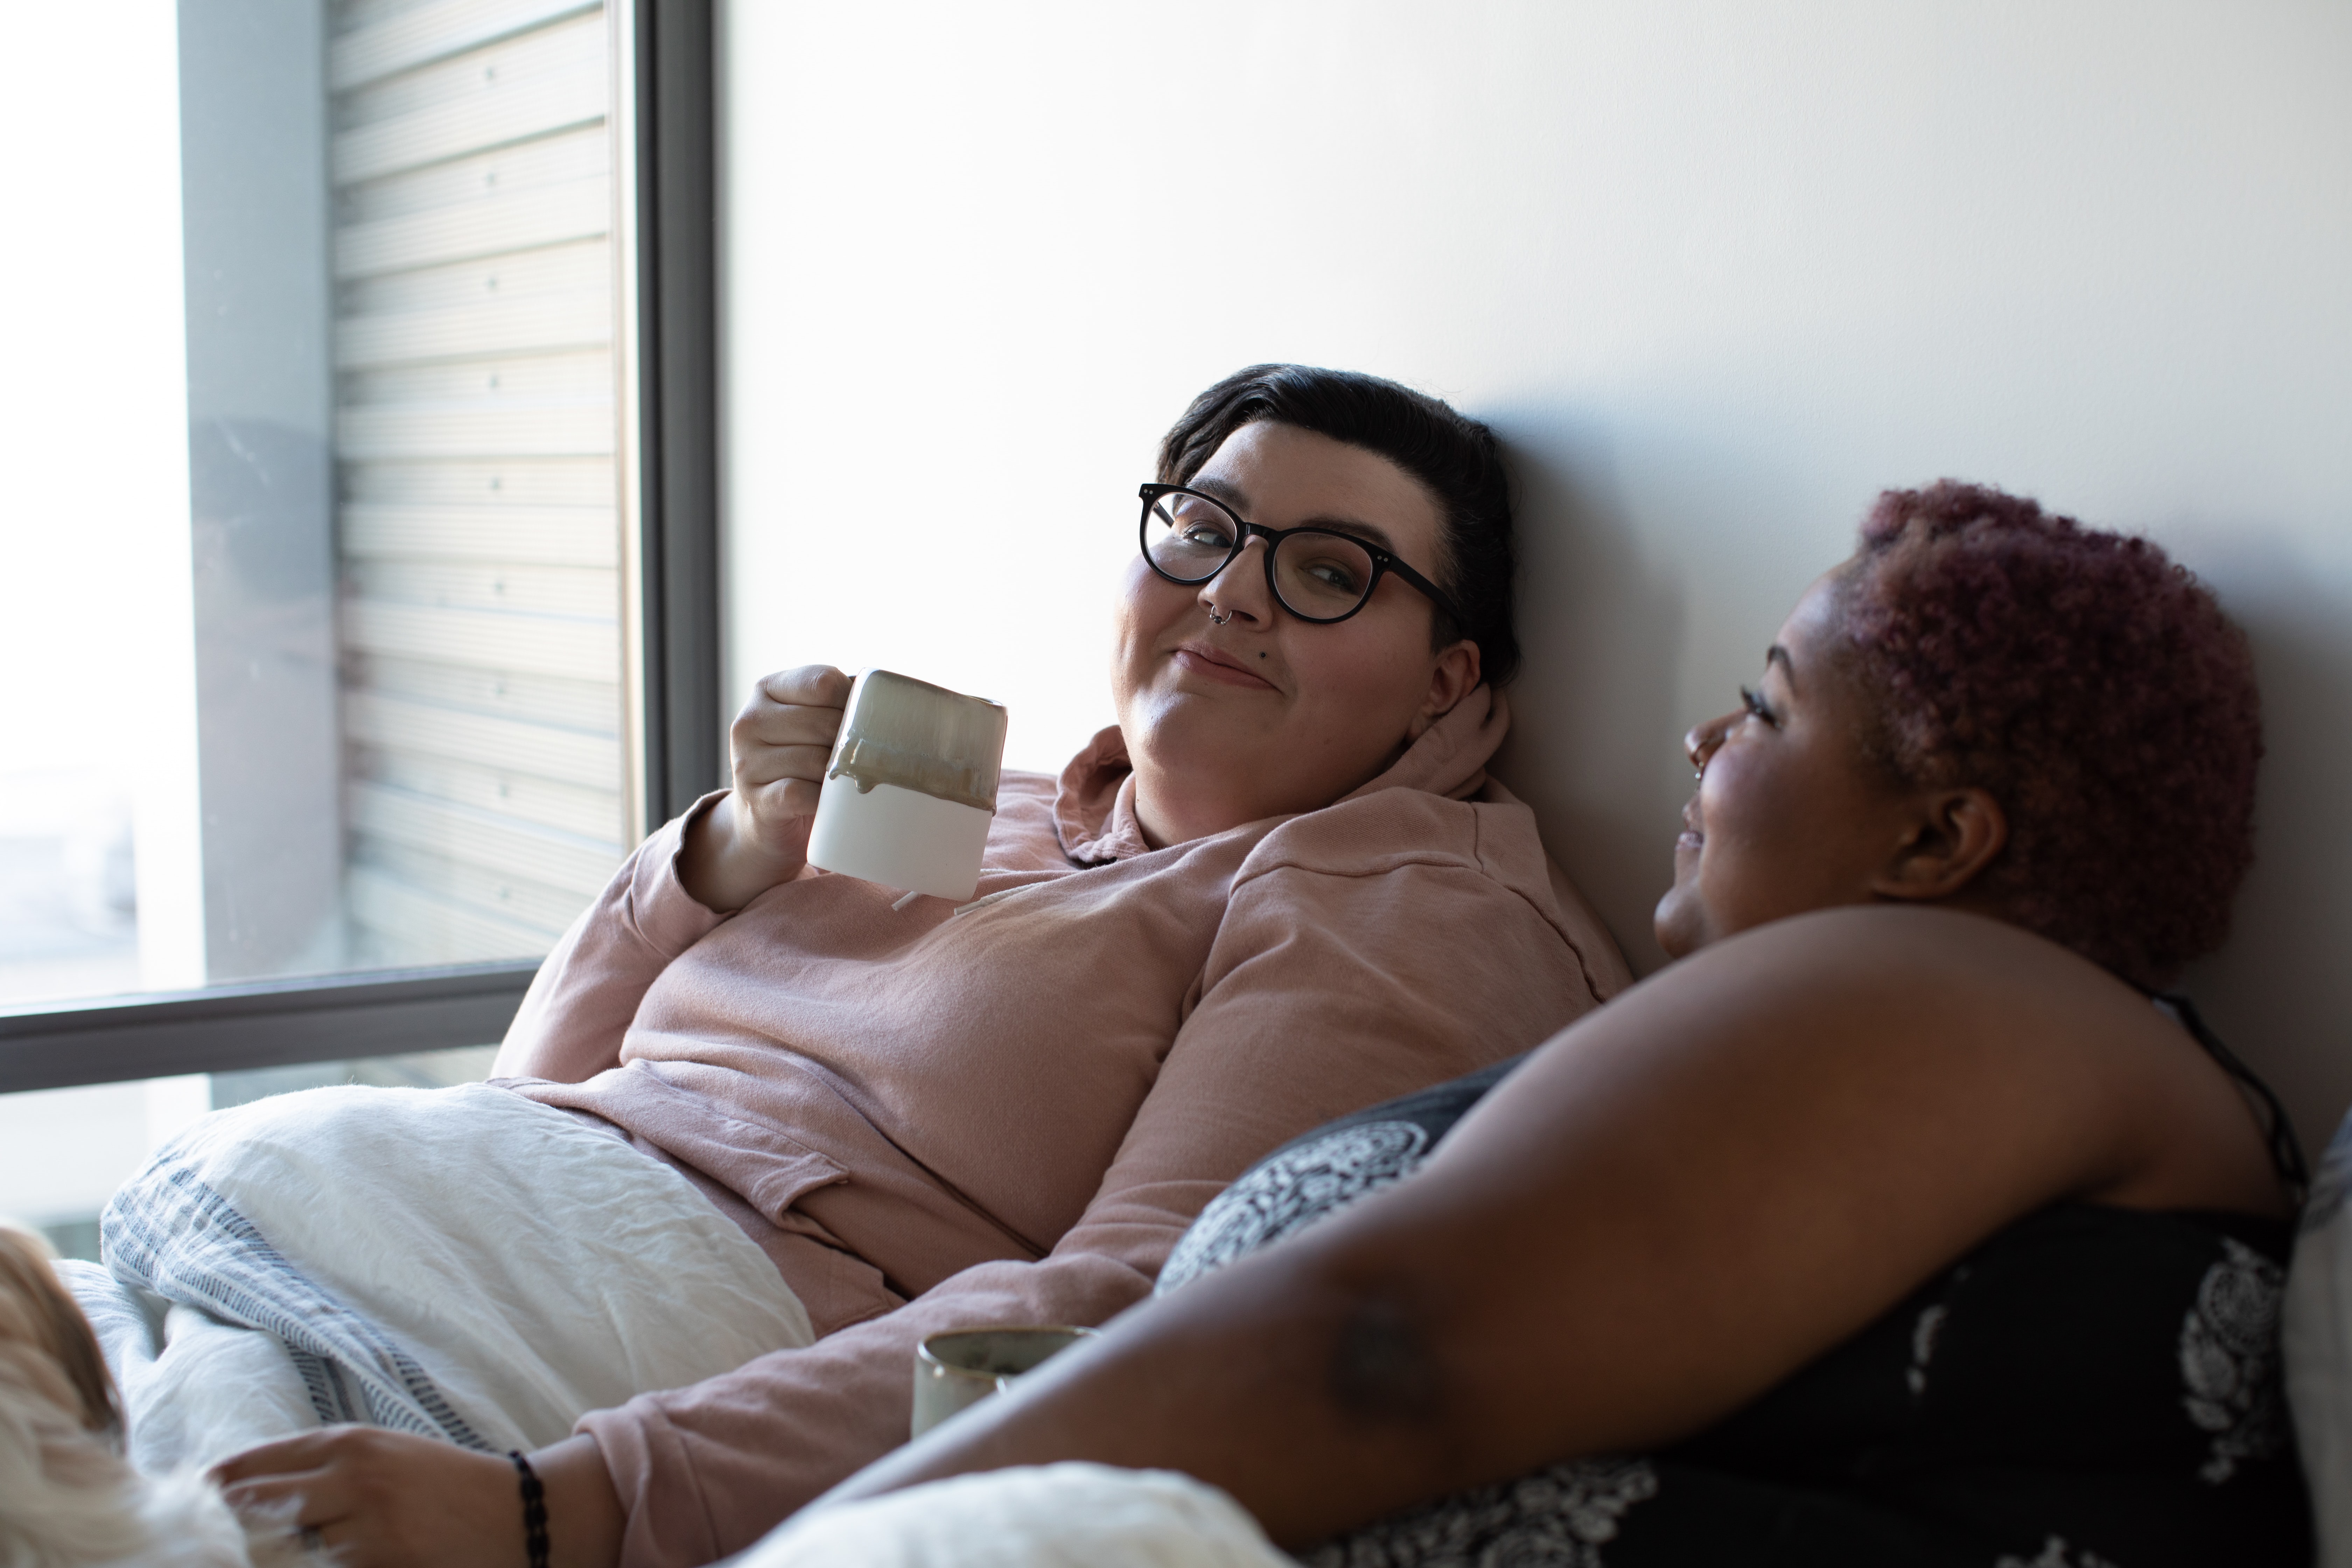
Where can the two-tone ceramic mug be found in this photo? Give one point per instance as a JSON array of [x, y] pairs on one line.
[[955, 1371]]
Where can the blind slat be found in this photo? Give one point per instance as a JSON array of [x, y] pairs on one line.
[[536, 643], [537, 749], [549, 536], [435, 32], [549, 321], [577, 209], [499, 894], [424, 928], [488, 839], [550, 802], [514, 112], [583, 429], [499, 587]]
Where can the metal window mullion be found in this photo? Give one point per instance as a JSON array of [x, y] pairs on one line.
[[665, 87], [227, 1028], [670, 315]]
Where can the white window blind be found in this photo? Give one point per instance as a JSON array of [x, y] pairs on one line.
[[477, 529]]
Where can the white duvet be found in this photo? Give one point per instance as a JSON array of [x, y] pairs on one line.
[[461, 1262], [1068, 1515]]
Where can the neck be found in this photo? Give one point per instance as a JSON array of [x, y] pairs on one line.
[[1170, 813]]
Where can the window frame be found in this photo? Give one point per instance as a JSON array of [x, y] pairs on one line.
[[665, 128]]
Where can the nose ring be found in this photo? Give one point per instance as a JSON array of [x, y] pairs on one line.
[[1216, 618]]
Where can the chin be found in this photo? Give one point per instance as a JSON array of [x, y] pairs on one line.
[[1678, 924]]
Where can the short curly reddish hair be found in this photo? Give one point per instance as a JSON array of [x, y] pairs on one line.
[[2093, 686]]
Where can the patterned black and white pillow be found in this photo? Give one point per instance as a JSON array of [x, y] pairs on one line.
[[1318, 1174]]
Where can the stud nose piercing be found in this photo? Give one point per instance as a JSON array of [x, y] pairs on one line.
[[1217, 618]]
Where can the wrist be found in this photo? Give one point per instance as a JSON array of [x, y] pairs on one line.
[[723, 867], [585, 1520]]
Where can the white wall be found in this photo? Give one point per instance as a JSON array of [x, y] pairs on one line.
[[1718, 272]]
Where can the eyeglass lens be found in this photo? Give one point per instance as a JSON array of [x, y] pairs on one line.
[[1318, 576]]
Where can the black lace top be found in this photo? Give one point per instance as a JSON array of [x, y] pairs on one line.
[[2092, 1387]]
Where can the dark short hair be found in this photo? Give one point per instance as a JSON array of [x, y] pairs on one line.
[[2093, 686], [1459, 459]]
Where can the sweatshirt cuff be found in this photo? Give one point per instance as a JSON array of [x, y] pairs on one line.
[[668, 1525], [665, 915]]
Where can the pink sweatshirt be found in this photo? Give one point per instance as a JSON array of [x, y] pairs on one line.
[[935, 1117]]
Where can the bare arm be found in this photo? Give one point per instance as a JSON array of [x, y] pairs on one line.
[[1687, 1197]]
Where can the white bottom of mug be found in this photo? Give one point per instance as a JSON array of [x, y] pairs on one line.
[[899, 838]]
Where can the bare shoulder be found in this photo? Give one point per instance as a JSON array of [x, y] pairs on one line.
[[1929, 979], [1885, 1035]]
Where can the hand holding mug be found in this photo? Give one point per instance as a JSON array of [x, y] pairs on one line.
[[758, 836]]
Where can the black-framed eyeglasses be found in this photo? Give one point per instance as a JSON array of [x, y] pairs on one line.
[[1318, 575]]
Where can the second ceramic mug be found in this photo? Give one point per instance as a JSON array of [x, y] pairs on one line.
[[963, 1368]]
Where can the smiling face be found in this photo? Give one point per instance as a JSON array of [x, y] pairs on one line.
[[1267, 714], [1790, 815]]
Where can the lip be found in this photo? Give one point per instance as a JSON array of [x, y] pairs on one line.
[[1691, 835], [1203, 659]]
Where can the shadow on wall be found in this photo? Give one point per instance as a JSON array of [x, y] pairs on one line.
[[1595, 728], [1596, 733], [2281, 991]]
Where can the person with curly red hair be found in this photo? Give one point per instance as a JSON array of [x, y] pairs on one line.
[[1897, 1221], [2093, 686]]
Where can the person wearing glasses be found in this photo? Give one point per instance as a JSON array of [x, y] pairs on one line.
[[1899, 1220], [1281, 888]]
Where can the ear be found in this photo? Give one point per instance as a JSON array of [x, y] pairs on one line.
[[1454, 677], [1954, 836]]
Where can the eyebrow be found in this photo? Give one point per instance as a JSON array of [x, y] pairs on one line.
[[1233, 497], [1777, 655], [1229, 494]]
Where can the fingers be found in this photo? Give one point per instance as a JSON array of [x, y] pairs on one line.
[[781, 741], [388, 1498], [810, 686], [308, 1499], [766, 723], [306, 1452], [770, 764]]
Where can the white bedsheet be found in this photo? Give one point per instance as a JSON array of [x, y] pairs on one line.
[[2316, 1334], [461, 1262], [1068, 1515]]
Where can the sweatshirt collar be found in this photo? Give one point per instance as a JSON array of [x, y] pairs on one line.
[[1094, 813]]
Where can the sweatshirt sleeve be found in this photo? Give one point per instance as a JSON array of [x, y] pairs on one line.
[[580, 1004], [1327, 989]]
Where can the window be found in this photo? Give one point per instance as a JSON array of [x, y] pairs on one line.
[[361, 607]]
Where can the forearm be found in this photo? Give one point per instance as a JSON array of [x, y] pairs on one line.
[[1672, 1206], [585, 1518], [706, 1470], [1315, 1405]]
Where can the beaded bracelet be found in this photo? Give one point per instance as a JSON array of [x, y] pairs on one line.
[[534, 1510]]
